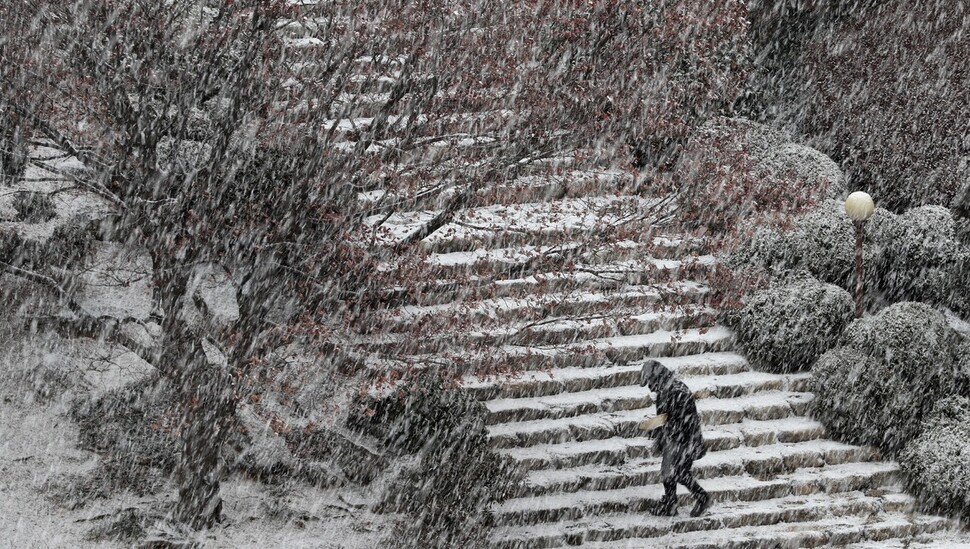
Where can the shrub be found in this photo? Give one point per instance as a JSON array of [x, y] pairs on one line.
[[866, 95], [844, 394], [133, 423], [34, 207], [885, 377], [640, 73], [795, 161], [598, 74], [733, 170], [917, 256], [132, 428], [821, 242], [14, 153], [445, 494], [786, 328], [963, 366], [922, 257], [937, 463]]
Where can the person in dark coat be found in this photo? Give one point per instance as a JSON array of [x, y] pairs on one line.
[[679, 440]]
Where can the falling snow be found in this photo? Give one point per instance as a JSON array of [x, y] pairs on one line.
[[354, 274]]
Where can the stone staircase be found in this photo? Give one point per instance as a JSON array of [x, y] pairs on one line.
[[553, 322], [568, 413]]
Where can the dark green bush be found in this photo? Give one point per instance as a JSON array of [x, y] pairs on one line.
[[937, 463], [785, 328], [886, 375]]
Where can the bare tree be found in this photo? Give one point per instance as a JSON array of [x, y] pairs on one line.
[[237, 136]]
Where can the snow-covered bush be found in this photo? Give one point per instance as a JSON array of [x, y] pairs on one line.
[[182, 155], [785, 328], [914, 256], [963, 366], [801, 162], [821, 241], [734, 170], [34, 207], [922, 257], [885, 377], [632, 71], [937, 462], [454, 475], [133, 428]]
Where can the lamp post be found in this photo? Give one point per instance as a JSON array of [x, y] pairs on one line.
[[859, 207]]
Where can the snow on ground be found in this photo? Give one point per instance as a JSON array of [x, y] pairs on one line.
[[39, 448]]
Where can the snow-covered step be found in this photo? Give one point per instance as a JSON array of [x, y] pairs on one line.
[[951, 537], [561, 331], [617, 450], [544, 305], [573, 505], [620, 527], [761, 461], [543, 187], [661, 253], [554, 331], [598, 278], [601, 278], [621, 349], [535, 223], [486, 360], [569, 380], [633, 396], [605, 267], [828, 531], [603, 425], [439, 137]]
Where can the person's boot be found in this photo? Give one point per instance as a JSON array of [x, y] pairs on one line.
[[702, 504], [667, 506]]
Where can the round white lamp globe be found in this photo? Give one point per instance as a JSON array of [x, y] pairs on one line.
[[859, 206]]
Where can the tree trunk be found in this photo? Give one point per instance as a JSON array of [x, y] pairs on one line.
[[209, 413], [13, 144], [206, 396]]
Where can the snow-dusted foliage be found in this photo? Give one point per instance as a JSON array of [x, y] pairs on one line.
[[795, 161], [922, 257], [455, 475], [134, 426], [937, 462], [888, 372], [785, 328], [878, 82], [734, 170], [13, 144], [914, 256], [821, 241]]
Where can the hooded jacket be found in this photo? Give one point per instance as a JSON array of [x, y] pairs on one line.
[[681, 435]]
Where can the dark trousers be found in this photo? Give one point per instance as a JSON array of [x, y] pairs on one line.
[[676, 470]]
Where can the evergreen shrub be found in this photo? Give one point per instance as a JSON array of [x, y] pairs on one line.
[[937, 462], [887, 374], [785, 328]]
